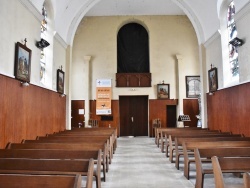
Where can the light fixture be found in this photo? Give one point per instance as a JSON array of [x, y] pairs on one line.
[[236, 42], [25, 84], [42, 44]]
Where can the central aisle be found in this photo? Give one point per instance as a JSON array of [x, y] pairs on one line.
[[138, 163]]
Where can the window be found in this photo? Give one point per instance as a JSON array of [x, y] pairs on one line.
[[232, 33], [43, 51], [132, 49]]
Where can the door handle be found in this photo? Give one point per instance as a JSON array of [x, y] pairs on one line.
[[132, 119]]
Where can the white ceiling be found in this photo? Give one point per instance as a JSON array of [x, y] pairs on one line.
[[69, 13], [134, 7]]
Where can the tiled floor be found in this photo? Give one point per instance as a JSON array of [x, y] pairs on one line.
[[138, 163]]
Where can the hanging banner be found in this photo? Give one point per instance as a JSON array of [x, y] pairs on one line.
[[103, 96]]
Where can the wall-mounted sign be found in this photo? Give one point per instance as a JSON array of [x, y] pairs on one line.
[[103, 96]]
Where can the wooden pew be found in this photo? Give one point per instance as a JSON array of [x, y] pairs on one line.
[[89, 133], [207, 153], [48, 167], [204, 138], [58, 154], [160, 133], [189, 133], [75, 138], [246, 178], [191, 145], [228, 165], [64, 146], [40, 181], [94, 132]]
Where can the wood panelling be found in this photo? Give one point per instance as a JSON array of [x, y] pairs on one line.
[[157, 109], [133, 79], [75, 116], [228, 109], [27, 112], [191, 108], [115, 113]]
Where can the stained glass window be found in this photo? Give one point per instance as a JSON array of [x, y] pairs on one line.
[[232, 33], [43, 51]]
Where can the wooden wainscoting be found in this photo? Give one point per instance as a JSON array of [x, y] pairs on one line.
[[115, 113], [191, 108], [228, 109], [75, 116], [157, 109], [27, 112]]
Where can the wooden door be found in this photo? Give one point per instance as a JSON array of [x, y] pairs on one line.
[[171, 116], [133, 115]]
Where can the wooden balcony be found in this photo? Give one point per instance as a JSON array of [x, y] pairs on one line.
[[133, 79]]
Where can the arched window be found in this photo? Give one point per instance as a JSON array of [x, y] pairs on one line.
[[132, 49], [232, 33]]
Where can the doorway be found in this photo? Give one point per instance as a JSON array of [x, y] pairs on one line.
[[133, 115], [171, 116]]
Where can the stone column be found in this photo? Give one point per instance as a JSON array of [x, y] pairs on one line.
[[87, 87]]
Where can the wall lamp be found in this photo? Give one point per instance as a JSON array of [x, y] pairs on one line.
[[236, 42], [42, 44], [25, 84]]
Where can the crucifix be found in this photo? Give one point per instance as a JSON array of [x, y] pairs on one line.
[[60, 67], [211, 65], [25, 40]]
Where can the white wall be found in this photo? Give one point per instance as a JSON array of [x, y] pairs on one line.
[[19, 23], [168, 36]]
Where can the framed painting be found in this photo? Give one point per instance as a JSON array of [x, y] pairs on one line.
[[213, 79], [193, 86], [60, 81], [22, 62], [163, 91]]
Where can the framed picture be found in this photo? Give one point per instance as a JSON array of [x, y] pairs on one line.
[[163, 91], [192, 86], [22, 62], [60, 81], [213, 79]]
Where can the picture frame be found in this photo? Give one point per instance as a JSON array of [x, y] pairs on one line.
[[60, 81], [213, 79], [163, 91], [22, 62], [193, 86]]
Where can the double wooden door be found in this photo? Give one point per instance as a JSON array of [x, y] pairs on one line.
[[133, 115]]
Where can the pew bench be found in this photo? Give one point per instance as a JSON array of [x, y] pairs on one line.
[[208, 153], [40, 181], [48, 167], [65, 146], [229, 165], [58, 154], [246, 178], [75, 139], [204, 138], [191, 145], [174, 143]]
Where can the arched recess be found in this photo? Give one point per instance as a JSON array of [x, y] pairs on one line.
[[132, 49]]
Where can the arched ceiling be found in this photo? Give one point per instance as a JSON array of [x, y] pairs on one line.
[[69, 13]]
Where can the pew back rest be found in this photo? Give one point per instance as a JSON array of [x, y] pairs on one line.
[[39, 181], [235, 164]]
